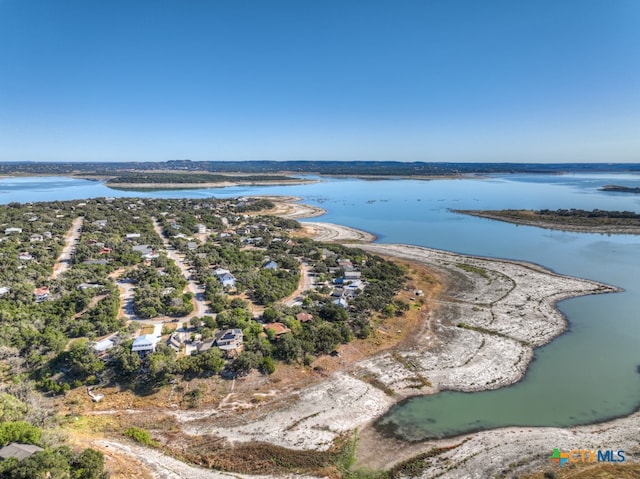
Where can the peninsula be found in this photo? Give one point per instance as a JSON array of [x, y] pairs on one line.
[[620, 189], [196, 336], [581, 221]]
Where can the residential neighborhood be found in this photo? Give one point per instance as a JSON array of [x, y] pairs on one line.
[[160, 288]]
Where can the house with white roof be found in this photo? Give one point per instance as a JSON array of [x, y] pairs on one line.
[[225, 277], [145, 344]]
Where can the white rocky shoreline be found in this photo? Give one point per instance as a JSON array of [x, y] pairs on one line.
[[508, 309]]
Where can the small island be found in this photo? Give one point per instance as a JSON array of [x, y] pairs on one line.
[[582, 221], [619, 189], [137, 180]]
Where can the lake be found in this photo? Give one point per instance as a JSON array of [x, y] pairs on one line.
[[586, 375]]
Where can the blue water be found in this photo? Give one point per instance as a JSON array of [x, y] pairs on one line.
[[586, 375]]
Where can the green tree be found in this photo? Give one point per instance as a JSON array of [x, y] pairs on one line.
[[83, 362], [19, 431], [89, 464], [267, 366]]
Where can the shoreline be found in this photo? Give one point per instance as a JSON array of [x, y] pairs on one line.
[[439, 355], [449, 357], [288, 207], [378, 451], [184, 186], [332, 233]]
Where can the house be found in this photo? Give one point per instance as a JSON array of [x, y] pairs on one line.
[[177, 339], [9, 231], [304, 317], [100, 223], [105, 250], [345, 263], [102, 262], [206, 345], [25, 256], [132, 236], [145, 344], [18, 451], [192, 245], [225, 277], [341, 302], [143, 249], [278, 329], [271, 265], [4, 290], [201, 228], [83, 286], [351, 275], [230, 341], [101, 347], [48, 234], [41, 294], [354, 287], [337, 292], [175, 226], [36, 237]]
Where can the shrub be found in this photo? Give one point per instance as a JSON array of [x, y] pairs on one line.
[[141, 436]]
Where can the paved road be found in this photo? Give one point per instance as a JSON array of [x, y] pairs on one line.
[[63, 263], [200, 306]]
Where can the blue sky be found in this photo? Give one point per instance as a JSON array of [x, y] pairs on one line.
[[449, 80]]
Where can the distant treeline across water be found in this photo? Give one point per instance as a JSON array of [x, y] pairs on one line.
[[368, 168]]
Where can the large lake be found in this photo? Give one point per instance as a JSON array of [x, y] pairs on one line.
[[586, 375]]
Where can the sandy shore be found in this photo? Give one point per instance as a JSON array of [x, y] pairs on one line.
[[331, 233], [221, 184], [289, 208]]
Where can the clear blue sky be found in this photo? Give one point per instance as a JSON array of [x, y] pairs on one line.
[[447, 80]]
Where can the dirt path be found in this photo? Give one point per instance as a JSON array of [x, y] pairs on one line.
[[200, 305], [306, 283], [160, 466], [63, 263]]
